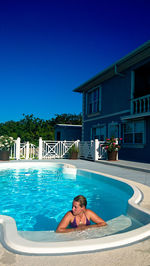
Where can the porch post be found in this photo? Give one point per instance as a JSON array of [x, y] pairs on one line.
[[40, 148], [96, 147], [132, 91], [118, 151], [77, 143], [18, 149], [27, 150]]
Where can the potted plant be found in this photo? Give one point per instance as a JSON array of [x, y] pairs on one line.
[[5, 145], [112, 146], [73, 152]]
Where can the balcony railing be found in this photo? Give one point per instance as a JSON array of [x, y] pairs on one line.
[[141, 105]]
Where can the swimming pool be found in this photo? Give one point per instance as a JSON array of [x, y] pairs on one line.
[[40, 196]]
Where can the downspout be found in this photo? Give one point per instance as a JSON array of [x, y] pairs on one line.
[[117, 73]]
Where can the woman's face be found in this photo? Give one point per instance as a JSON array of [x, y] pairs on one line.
[[76, 208]]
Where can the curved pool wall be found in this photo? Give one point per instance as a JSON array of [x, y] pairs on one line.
[[13, 241]]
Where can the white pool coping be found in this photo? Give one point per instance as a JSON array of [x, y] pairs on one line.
[[14, 242]]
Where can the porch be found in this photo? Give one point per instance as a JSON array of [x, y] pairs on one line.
[[141, 105]]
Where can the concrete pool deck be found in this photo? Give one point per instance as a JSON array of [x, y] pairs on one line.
[[136, 254]]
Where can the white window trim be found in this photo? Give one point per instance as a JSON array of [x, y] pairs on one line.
[[136, 145], [100, 100], [98, 126], [132, 88]]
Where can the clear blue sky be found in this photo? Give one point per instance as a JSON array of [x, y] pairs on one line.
[[48, 48]]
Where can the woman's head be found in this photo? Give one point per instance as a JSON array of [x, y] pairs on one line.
[[79, 205], [82, 200]]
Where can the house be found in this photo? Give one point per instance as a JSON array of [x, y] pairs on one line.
[[68, 132], [116, 102]]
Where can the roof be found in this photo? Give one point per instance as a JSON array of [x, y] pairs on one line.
[[129, 60], [67, 125]]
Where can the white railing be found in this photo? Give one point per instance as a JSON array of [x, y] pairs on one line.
[[27, 151], [141, 105], [92, 150], [102, 152], [13, 151], [23, 150], [89, 150], [49, 149]]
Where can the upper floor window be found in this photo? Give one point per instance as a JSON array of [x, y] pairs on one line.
[[134, 132], [93, 101]]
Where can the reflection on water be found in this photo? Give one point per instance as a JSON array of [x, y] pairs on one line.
[[58, 174]]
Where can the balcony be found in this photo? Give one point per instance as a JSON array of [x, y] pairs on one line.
[[140, 105]]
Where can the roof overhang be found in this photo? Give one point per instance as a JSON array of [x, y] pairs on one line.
[[136, 116], [136, 56], [67, 125]]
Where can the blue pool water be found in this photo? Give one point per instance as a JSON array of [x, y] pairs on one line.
[[37, 198]]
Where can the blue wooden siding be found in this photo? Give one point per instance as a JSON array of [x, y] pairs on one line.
[[68, 132], [116, 94]]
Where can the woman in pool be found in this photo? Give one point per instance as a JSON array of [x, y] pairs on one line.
[[79, 218]]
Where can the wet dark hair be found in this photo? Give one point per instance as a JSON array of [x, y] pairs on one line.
[[81, 199]]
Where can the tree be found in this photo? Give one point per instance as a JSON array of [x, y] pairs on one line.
[[31, 128]]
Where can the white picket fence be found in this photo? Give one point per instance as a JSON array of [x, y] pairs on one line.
[[88, 150]]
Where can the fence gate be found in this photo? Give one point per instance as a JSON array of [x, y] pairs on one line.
[[56, 149], [92, 150], [24, 150]]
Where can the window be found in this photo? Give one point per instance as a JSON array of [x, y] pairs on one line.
[[58, 135], [134, 132], [93, 101], [99, 133]]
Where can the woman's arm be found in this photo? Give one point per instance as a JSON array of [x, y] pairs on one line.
[[62, 227], [67, 230], [95, 219]]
